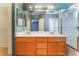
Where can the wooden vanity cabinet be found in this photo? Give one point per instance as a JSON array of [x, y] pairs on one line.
[[41, 46]]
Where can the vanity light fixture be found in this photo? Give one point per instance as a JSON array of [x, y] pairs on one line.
[[39, 7], [36, 7], [50, 7], [30, 7]]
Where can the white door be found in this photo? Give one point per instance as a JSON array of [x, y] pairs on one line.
[[53, 24]]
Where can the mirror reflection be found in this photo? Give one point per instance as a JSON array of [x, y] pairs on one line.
[[36, 18]]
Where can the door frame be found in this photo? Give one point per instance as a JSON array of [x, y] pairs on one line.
[[13, 31]]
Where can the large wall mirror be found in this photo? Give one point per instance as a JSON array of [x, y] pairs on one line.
[[30, 18]]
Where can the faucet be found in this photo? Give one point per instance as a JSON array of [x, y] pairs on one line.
[[28, 32]]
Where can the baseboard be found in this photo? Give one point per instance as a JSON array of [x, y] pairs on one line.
[[9, 54], [3, 51]]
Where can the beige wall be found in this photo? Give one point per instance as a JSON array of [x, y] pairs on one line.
[[5, 26]]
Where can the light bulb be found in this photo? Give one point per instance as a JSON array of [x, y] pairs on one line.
[[52, 7], [36, 7], [48, 7], [30, 7]]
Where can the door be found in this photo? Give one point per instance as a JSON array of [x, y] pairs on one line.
[[34, 25], [53, 24]]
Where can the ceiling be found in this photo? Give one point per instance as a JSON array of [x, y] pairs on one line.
[[57, 6]]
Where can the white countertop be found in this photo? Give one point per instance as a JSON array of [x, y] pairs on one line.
[[38, 34]]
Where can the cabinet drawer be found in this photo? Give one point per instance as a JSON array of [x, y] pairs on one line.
[[41, 45], [29, 47], [41, 52], [41, 40], [56, 39], [19, 39], [51, 40], [25, 40], [61, 40]]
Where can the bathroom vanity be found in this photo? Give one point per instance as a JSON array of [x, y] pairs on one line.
[[40, 44]]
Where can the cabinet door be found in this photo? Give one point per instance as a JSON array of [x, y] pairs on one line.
[[61, 49], [52, 49], [42, 52], [30, 49], [56, 49], [19, 49], [27, 49]]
